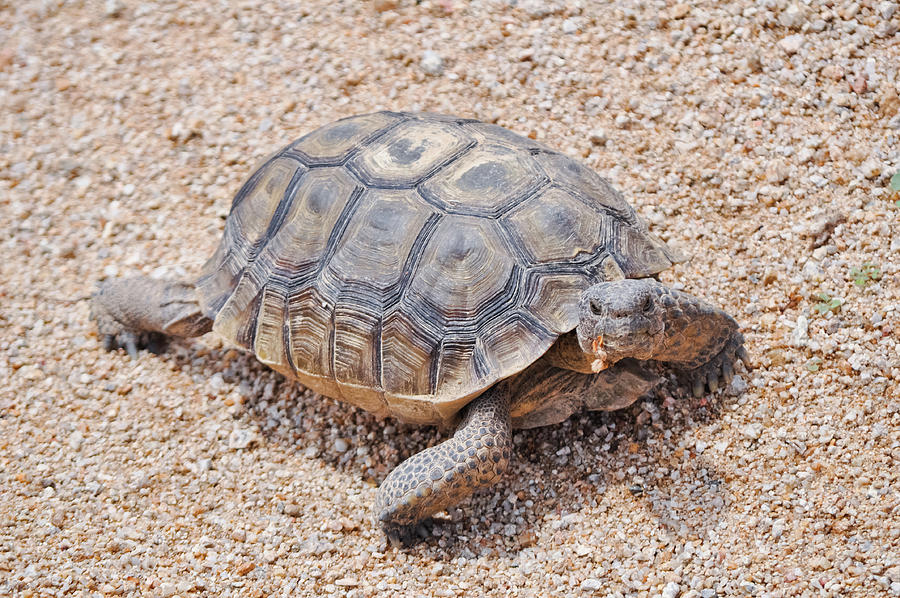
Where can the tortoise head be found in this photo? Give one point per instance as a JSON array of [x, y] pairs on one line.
[[623, 318]]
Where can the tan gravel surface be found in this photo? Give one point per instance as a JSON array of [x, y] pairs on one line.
[[758, 137]]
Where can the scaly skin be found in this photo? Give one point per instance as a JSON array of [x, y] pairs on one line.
[[441, 476], [131, 312]]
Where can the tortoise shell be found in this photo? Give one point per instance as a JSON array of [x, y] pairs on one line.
[[404, 263]]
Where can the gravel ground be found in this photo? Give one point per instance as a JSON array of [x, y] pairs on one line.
[[758, 137]]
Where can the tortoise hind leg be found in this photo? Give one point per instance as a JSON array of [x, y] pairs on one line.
[[441, 476], [133, 312]]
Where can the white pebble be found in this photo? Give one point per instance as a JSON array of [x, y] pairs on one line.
[[569, 26], [752, 431], [794, 16], [113, 8], [217, 383], [737, 387], [241, 438], [777, 528], [800, 333], [672, 590], [591, 584], [432, 63], [76, 439], [340, 445], [871, 168], [598, 137], [812, 271], [792, 43]]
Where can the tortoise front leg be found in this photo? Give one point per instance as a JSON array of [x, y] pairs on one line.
[[649, 321], [441, 476], [130, 311]]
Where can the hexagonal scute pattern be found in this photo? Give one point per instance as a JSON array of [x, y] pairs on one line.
[[252, 212], [463, 268], [374, 248], [490, 134], [486, 181], [406, 262], [333, 143], [553, 299], [408, 153], [554, 226], [512, 340], [582, 180]]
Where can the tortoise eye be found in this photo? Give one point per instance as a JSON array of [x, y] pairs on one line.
[[596, 307], [648, 304]]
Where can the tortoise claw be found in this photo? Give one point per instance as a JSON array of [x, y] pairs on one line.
[[719, 371], [712, 380], [405, 536], [698, 387], [133, 342], [727, 372], [130, 343], [744, 357]]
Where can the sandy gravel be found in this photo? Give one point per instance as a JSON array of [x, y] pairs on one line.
[[759, 137]]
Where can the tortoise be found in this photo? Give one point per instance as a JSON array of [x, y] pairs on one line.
[[439, 270]]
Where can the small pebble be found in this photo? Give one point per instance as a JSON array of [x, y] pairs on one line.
[[671, 590], [216, 383], [245, 568], [113, 8], [794, 16], [680, 10], [792, 43], [800, 333], [384, 5], [752, 431], [871, 168], [598, 137], [241, 438], [859, 85], [76, 439], [432, 63]]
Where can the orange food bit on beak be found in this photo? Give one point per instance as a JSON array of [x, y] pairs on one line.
[[601, 363]]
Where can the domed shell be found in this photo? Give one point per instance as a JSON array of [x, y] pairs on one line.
[[406, 262]]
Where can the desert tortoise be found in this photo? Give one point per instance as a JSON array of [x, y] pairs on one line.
[[411, 264]]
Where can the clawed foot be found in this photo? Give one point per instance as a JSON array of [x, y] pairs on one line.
[[133, 342], [407, 536], [114, 333], [720, 368]]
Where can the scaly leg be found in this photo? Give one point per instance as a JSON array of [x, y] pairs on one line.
[[130, 311], [441, 476]]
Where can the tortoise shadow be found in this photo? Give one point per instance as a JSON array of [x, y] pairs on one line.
[[567, 468], [560, 470]]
